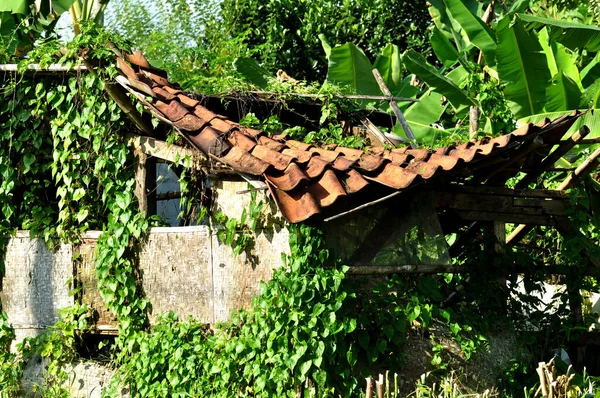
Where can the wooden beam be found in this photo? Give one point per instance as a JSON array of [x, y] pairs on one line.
[[50, 69], [502, 204], [405, 269], [511, 218], [376, 134], [582, 170], [502, 191], [558, 153]]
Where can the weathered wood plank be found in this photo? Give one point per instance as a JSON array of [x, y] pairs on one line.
[[498, 203], [505, 217], [488, 190]]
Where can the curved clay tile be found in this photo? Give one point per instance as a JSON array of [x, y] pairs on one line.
[[270, 143], [327, 189], [296, 206], [242, 161], [394, 177], [315, 167], [236, 138], [278, 160], [291, 178], [353, 181], [300, 156]]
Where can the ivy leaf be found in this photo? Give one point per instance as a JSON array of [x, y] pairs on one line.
[[352, 355], [305, 367]]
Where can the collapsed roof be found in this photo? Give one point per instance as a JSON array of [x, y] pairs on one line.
[[307, 180]]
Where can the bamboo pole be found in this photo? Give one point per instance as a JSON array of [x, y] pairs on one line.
[[347, 96], [407, 130]]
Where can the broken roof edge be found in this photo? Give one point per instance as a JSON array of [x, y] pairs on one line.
[[305, 180]]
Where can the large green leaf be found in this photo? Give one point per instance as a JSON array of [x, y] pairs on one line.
[[252, 71], [590, 119], [421, 115], [447, 25], [591, 72], [558, 58], [417, 64], [325, 44], [571, 34], [443, 48], [591, 96], [61, 6], [523, 67], [15, 6], [476, 30], [389, 65], [563, 94], [350, 69]]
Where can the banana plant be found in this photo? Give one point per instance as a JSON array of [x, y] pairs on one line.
[[24, 21], [534, 58]]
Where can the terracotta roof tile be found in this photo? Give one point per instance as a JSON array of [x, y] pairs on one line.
[[276, 159], [342, 164], [300, 156], [237, 138], [270, 143], [210, 142], [327, 189], [241, 160], [289, 179], [353, 182], [305, 179], [297, 206], [316, 166]]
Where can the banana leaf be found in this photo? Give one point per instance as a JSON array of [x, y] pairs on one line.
[[443, 48], [15, 6], [351, 70], [251, 71], [590, 119], [571, 34], [421, 115], [389, 65], [558, 58], [591, 72], [523, 67], [476, 30], [563, 94], [417, 64]]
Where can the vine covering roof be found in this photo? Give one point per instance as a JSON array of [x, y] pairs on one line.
[[307, 180]]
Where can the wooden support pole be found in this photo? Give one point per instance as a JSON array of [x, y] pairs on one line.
[[473, 122], [145, 182], [558, 153], [407, 130], [377, 135], [582, 170]]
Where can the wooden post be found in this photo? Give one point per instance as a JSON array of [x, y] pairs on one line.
[[473, 122], [369, 391], [407, 130], [145, 182], [379, 384]]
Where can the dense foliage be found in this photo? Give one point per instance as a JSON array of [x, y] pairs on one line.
[[285, 33], [66, 168]]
